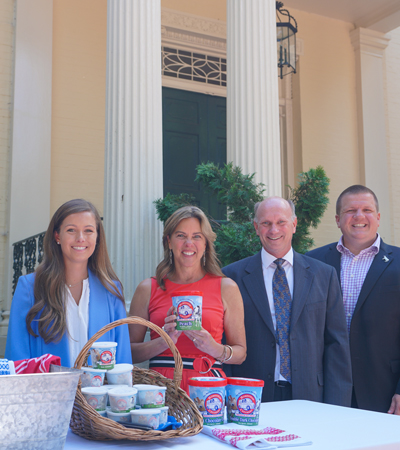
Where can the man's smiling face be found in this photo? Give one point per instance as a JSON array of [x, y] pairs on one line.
[[275, 225], [358, 221]]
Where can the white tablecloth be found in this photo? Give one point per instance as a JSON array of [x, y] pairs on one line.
[[328, 427]]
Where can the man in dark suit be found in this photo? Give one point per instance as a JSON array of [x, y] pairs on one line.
[[295, 325], [369, 273]]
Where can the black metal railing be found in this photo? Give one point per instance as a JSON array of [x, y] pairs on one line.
[[26, 255]]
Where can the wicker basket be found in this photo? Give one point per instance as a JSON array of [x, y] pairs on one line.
[[89, 424]]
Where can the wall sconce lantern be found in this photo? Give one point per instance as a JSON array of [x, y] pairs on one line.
[[286, 29]]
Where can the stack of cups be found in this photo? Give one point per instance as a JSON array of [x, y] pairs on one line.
[[150, 410]]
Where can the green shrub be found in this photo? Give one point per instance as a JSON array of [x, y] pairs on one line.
[[236, 237]]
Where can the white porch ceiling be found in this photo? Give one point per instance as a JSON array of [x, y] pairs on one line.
[[379, 15]]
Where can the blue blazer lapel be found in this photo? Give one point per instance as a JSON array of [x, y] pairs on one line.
[[378, 266], [253, 280], [301, 286], [332, 257]]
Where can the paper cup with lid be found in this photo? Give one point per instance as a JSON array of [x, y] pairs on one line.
[[243, 400], [121, 374], [147, 417], [188, 307], [92, 377], [208, 393], [123, 417], [103, 354], [150, 396], [96, 397], [122, 399]]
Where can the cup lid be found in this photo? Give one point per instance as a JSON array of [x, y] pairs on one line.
[[186, 293], [237, 381], [207, 381]]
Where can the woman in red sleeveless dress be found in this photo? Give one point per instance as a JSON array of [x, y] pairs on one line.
[[189, 264]]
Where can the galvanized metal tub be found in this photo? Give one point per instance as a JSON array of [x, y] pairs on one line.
[[35, 409]]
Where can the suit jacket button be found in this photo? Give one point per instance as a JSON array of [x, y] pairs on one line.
[[269, 376], [273, 344]]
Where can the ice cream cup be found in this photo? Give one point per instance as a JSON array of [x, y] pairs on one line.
[[164, 414], [147, 417], [96, 397], [208, 393], [124, 417], [92, 377], [150, 396], [103, 355], [122, 399], [243, 399], [121, 374], [188, 307]]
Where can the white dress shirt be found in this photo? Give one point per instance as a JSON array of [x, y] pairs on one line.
[[77, 321], [269, 267]]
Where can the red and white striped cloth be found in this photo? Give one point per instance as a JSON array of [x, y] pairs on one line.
[[37, 365], [243, 437]]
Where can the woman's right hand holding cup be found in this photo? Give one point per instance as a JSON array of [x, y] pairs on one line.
[[170, 325]]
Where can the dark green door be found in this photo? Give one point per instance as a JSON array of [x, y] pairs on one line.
[[194, 131]]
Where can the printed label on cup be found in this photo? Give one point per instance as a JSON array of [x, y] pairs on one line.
[[188, 308]]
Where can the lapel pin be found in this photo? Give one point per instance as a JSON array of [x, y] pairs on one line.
[[385, 259]]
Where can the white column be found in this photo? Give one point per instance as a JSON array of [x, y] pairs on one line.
[[133, 159], [369, 49], [29, 198], [253, 140]]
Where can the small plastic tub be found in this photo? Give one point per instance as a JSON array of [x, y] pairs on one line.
[[188, 306], [243, 400], [164, 415], [147, 417], [124, 417], [122, 399], [96, 397], [150, 396], [208, 393], [103, 355], [103, 413], [121, 374], [92, 377]]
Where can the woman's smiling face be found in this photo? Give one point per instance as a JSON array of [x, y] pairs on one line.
[[187, 243], [77, 237]]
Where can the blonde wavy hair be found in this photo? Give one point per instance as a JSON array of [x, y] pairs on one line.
[[212, 265]]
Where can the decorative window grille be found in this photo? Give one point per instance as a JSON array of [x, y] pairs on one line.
[[193, 66]]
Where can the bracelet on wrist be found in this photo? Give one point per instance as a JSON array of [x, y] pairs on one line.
[[224, 358]]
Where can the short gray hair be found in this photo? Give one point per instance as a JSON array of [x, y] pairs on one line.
[[290, 202]]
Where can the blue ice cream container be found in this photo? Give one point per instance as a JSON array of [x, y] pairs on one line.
[[188, 306], [243, 400], [208, 393]]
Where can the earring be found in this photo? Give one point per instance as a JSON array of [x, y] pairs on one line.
[[170, 257], [58, 242], [204, 259]]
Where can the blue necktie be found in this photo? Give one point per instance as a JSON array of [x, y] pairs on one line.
[[283, 307]]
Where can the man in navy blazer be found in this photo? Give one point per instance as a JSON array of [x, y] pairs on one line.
[[318, 342], [369, 273]]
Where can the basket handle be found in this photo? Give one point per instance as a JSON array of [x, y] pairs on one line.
[[132, 320]]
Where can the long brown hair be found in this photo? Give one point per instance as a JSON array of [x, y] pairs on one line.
[[167, 267], [49, 287]]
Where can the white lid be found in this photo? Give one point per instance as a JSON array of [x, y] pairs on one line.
[[91, 369], [120, 368], [147, 411], [105, 344], [122, 391], [149, 387], [94, 390], [114, 386]]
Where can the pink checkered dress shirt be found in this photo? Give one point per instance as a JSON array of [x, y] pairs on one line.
[[353, 270]]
